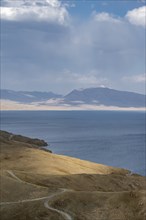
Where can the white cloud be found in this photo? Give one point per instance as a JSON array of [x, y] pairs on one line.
[[19, 3], [104, 16], [137, 16], [91, 78], [39, 51], [135, 79], [37, 10]]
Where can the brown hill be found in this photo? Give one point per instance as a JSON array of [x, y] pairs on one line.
[[36, 184]]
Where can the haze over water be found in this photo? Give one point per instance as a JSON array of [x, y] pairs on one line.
[[107, 137]]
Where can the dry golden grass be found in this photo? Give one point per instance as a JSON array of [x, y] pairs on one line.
[[97, 192]]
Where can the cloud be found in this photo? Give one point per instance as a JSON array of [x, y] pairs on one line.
[[104, 16], [94, 52], [136, 78], [36, 10], [137, 16], [86, 79]]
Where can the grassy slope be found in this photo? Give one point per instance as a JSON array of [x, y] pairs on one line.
[[99, 192]]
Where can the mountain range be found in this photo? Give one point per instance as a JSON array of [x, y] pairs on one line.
[[89, 96], [27, 97]]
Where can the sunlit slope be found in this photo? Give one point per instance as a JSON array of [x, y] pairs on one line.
[[36, 184], [18, 155]]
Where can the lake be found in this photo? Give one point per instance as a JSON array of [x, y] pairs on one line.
[[113, 138]]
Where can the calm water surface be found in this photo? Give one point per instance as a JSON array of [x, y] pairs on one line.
[[112, 138]]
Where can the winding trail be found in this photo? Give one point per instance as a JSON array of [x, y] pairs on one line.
[[47, 199], [14, 176], [22, 181], [10, 137], [23, 201], [130, 173], [64, 214]]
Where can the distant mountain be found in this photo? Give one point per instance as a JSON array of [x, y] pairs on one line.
[[107, 97], [27, 97], [90, 96]]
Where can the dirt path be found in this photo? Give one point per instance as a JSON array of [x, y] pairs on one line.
[[22, 181], [65, 215], [14, 176], [10, 137], [23, 201]]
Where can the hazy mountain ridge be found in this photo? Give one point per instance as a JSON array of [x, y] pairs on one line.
[[107, 97], [27, 97], [90, 96]]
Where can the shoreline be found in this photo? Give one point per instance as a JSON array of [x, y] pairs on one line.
[[15, 106], [44, 146]]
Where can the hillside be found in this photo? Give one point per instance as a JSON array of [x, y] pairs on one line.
[[36, 184]]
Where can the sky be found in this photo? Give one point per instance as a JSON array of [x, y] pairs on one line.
[[52, 45]]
